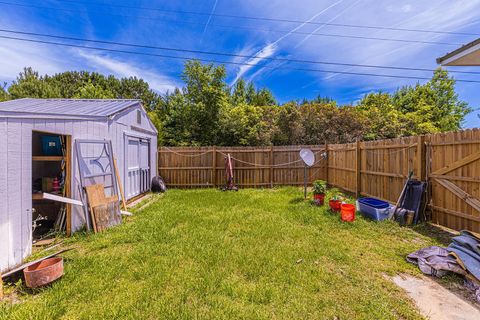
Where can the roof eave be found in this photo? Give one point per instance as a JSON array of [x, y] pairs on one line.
[[30, 115], [450, 58]]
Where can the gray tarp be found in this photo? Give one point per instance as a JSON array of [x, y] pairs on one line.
[[435, 261], [462, 256], [466, 247]]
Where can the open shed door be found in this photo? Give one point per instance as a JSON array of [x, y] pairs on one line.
[[137, 166]]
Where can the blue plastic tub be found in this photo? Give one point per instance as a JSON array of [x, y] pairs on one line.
[[51, 146], [374, 209]]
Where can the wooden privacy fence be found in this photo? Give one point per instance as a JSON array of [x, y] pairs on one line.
[[450, 162], [253, 166]]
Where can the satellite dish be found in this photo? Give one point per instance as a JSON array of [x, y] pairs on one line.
[[307, 156]]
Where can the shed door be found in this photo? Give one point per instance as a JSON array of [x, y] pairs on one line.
[[137, 167]]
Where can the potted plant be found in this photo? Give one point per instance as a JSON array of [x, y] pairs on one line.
[[335, 199], [319, 189]]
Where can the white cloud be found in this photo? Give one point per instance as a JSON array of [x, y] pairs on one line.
[[400, 8], [210, 17], [15, 55], [157, 81], [409, 54], [270, 49], [50, 60], [406, 8], [266, 52], [329, 21]]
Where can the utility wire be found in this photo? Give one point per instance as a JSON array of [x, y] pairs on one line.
[[223, 15], [228, 54], [332, 35], [224, 62]]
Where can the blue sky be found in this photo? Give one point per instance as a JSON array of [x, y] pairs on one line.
[[249, 37]]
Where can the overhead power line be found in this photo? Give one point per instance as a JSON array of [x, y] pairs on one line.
[[224, 15], [332, 35], [224, 62], [227, 54]]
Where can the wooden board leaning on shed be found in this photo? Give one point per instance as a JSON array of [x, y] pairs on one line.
[[104, 211]]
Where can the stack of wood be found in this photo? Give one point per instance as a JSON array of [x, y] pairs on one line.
[[104, 211]]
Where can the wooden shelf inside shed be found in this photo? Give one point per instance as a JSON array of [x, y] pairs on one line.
[[37, 196], [47, 158]]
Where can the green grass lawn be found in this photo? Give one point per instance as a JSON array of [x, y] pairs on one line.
[[252, 254]]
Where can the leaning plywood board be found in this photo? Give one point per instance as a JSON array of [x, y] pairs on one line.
[[104, 210]]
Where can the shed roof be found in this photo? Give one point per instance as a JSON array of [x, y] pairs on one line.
[[467, 55], [67, 107]]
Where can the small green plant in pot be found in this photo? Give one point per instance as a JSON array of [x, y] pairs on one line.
[[335, 197], [319, 189]]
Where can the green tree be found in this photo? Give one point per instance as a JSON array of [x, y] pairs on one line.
[[246, 125], [327, 123], [177, 121], [290, 128], [91, 91], [134, 88], [193, 117], [383, 119], [264, 97], [239, 94], [432, 107], [29, 84], [259, 97], [3, 92]]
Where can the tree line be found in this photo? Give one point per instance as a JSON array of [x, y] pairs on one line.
[[206, 111]]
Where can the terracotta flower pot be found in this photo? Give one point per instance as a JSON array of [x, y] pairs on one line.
[[319, 198], [335, 205], [43, 272]]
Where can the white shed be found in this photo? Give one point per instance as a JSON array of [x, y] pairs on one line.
[[38, 153]]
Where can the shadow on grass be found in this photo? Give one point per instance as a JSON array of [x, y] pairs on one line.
[[434, 232], [296, 200]]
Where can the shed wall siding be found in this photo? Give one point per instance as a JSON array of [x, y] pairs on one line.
[[14, 192], [26, 187], [4, 217]]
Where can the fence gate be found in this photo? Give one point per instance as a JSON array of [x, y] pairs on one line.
[[454, 177]]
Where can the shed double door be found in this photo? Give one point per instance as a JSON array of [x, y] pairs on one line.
[[137, 173]]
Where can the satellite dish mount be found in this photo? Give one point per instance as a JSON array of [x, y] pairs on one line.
[[308, 160]]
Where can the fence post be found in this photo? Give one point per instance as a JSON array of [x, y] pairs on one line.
[[358, 167], [421, 162], [271, 166], [326, 163], [214, 166]]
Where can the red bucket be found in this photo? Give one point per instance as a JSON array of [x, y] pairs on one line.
[[318, 198], [348, 212], [43, 272]]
